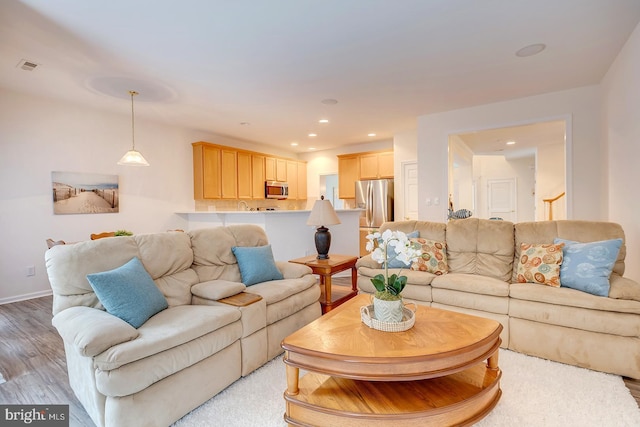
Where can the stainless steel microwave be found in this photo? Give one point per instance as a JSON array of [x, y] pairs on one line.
[[276, 190]]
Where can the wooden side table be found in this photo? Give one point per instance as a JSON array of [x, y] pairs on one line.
[[326, 268]]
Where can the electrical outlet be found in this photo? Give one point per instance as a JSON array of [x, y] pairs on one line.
[[436, 201], [428, 201], [31, 270]]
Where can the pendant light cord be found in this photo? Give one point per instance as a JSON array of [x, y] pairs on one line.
[[133, 129]]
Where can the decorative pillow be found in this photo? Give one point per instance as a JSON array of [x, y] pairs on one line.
[[256, 264], [395, 262], [433, 258], [128, 292], [540, 263], [587, 266]]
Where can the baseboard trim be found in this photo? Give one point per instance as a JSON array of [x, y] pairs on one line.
[[24, 297]]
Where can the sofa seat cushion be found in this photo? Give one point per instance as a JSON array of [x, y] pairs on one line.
[[472, 283], [142, 373], [571, 297], [168, 329], [470, 300], [278, 290], [292, 305], [606, 322]]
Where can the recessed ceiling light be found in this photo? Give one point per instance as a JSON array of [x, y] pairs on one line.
[[329, 101], [313, 134], [532, 49], [294, 144], [245, 124], [511, 143], [312, 148], [323, 121], [371, 134]]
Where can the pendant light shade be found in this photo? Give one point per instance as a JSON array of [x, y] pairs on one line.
[[133, 157]]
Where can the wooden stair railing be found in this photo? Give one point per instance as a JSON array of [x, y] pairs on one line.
[[550, 201]]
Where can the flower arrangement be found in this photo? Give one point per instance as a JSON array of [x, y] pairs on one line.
[[385, 247]]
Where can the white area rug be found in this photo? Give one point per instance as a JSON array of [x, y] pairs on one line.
[[535, 392]]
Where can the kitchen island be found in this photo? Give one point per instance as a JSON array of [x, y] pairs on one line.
[[289, 235]]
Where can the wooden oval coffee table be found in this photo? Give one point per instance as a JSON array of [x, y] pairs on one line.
[[434, 374]]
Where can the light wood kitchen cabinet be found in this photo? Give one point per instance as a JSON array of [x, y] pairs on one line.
[[376, 165], [348, 172], [270, 169], [257, 176], [229, 174], [206, 172], [385, 165], [244, 174], [292, 172], [302, 181], [281, 170]]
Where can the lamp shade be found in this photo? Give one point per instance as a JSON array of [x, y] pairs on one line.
[[133, 158], [323, 214]]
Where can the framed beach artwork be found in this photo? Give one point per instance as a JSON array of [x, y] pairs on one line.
[[84, 193]]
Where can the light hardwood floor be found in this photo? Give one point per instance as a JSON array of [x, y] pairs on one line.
[[33, 364]]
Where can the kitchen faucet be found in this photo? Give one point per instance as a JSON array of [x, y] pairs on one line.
[[246, 206]]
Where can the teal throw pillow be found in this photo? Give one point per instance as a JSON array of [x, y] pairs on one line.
[[128, 292], [256, 264], [395, 262], [587, 266]]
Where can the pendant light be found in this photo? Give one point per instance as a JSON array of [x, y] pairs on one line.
[[133, 157]]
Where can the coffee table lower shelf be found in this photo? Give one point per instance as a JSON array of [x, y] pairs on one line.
[[462, 398]]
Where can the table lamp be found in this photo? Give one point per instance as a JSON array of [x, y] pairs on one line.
[[323, 214]]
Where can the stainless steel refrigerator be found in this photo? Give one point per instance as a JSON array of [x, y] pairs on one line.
[[375, 196]]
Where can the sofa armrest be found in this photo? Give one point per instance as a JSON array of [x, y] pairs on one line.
[[623, 288], [92, 331], [367, 261], [291, 270], [217, 289]]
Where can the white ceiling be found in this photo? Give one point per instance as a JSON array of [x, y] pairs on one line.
[[213, 64]]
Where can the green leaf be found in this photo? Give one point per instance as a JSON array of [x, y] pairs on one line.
[[378, 282]]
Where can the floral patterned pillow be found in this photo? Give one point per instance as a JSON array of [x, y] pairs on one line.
[[540, 263], [433, 258]]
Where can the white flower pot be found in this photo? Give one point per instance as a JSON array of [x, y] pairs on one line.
[[387, 311]]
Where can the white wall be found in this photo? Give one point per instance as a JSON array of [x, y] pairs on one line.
[[40, 136], [580, 107], [621, 89], [405, 147]]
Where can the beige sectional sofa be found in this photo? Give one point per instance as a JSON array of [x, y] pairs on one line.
[[185, 354], [556, 323]]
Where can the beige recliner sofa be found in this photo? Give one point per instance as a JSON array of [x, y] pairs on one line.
[[561, 324], [183, 355]]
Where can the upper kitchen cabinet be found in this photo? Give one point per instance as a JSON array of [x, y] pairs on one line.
[[257, 176], [229, 174], [302, 181], [376, 165], [348, 174], [292, 173], [245, 175], [206, 171]]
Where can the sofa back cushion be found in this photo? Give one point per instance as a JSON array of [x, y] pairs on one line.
[[212, 255], [167, 257], [480, 246], [576, 230], [428, 230]]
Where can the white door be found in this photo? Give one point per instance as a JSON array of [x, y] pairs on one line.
[[410, 190], [501, 195]]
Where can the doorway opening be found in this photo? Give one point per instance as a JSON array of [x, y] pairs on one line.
[[509, 172], [329, 189]]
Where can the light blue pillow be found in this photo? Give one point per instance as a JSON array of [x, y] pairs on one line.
[[256, 264], [395, 262], [587, 266], [128, 292]]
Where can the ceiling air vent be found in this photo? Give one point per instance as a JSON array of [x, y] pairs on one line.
[[27, 65]]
